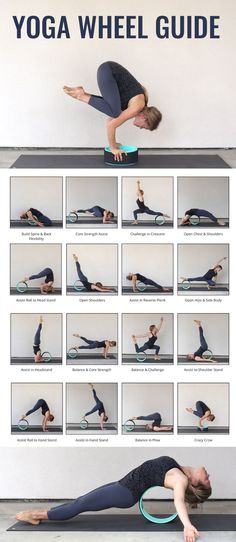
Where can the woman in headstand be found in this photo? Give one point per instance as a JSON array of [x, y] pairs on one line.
[[150, 343], [200, 213], [37, 217], [137, 277], [142, 208], [47, 285], [189, 484], [122, 98], [47, 415], [156, 422], [91, 345], [210, 276], [99, 407], [37, 340], [198, 355], [98, 212], [89, 286], [203, 412]]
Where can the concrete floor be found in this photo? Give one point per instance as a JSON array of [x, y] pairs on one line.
[[8, 511], [8, 156]]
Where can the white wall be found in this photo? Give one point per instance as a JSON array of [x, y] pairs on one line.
[[98, 263], [30, 259], [79, 400], [138, 324], [42, 193], [195, 260], [85, 192], [211, 193], [176, 72], [23, 329], [92, 326], [100, 466], [158, 195], [152, 260], [24, 397], [143, 399], [215, 329], [215, 395]]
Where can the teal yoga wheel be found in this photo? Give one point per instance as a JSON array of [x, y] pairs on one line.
[[141, 287], [46, 356], [129, 425], [151, 518], [83, 424], [160, 220], [207, 355], [141, 356], [186, 285], [194, 220], [78, 286], [129, 156], [21, 286], [72, 352], [72, 217], [23, 425]]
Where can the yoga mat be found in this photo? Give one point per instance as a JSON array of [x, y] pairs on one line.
[[90, 220], [93, 356], [30, 361], [35, 291], [130, 523], [146, 224], [210, 431], [37, 429], [198, 288], [25, 224], [142, 429], [165, 161], [182, 360], [203, 224], [127, 290], [91, 427], [71, 290], [130, 358]]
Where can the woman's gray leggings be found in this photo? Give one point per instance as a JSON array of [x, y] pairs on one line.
[[109, 102]]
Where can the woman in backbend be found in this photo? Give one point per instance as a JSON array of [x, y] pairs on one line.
[[122, 98], [99, 408], [203, 412], [46, 286], [142, 208], [151, 335], [137, 277], [200, 213], [89, 286], [47, 415], [156, 422], [91, 345], [198, 355], [98, 212], [210, 276], [189, 484], [37, 217]]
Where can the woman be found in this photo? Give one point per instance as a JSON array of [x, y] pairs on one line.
[[142, 208], [89, 286], [156, 422], [47, 415], [189, 484], [198, 355], [209, 276], [37, 217], [106, 345], [203, 412], [37, 340], [98, 212], [99, 407], [200, 212], [122, 98], [46, 286], [137, 277], [150, 343]]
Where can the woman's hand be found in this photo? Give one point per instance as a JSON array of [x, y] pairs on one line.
[[117, 153], [190, 533]]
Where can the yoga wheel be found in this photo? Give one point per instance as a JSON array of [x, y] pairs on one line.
[[141, 356], [83, 424], [129, 425], [23, 425], [194, 220], [21, 287], [46, 356], [207, 355], [151, 518], [129, 156]]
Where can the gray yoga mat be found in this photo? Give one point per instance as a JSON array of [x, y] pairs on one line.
[[146, 224], [142, 429], [25, 224], [35, 291], [92, 356], [165, 161], [204, 288], [90, 220], [224, 360], [131, 358], [127, 290], [71, 290], [37, 429], [211, 431], [91, 427], [30, 361], [206, 224], [130, 523]]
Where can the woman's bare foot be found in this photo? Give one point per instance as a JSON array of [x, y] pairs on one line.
[[158, 358], [75, 257], [133, 338], [91, 385], [166, 289], [32, 516], [198, 322], [41, 320], [134, 223], [166, 216], [220, 222], [189, 410], [183, 279], [78, 93]]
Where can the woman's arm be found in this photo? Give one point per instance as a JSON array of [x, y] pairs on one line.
[[134, 280], [35, 220], [105, 350], [160, 324], [138, 189], [190, 532], [113, 124], [143, 336], [105, 219], [218, 263]]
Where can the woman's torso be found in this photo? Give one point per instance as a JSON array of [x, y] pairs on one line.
[[127, 84]]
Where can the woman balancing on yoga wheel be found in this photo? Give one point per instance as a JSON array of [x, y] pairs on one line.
[[189, 484], [122, 98], [151, 337]]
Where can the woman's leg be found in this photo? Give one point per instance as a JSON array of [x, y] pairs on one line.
[[151, 282], [203, 342], [140, 348], [81, 276], [154, 416], [207, 214], [90, 344], [104, 497], [37, 336], [37, 406], [109, 103], [138, 212], [42, 274], [156, 348], [199, 409], [150, 212], [197, 279]]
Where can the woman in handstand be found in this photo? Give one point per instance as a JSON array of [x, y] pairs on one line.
[[39, 219], [99, 407], [200, 212], [198, 355], [98, 212], [210, 276], [137, 277], [142, 208], [89, 286], [151, 335], [189, 484], [156, 422], [46, 286], [122, 98], [203, 412], [91, 345], [47, 415]]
